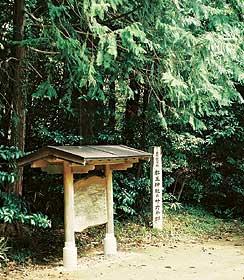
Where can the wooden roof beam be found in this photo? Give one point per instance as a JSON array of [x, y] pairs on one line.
[[122, 166], [55, 160], [58, 169], [112, 161], [39, 164], [82, 169]]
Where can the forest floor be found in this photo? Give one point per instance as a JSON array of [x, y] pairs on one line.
[[189, 248]]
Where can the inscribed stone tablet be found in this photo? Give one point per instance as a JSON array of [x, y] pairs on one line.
[[90, 203]]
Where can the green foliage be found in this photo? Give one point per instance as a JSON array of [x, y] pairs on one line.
[[187, 59], [10, 153], [20, 256], [6, 177], [170, 202], [131, 195], [45, 90], [211, 169], [13, 209], [3, 251], [56, 136]]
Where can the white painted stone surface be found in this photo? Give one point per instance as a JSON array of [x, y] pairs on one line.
[[70, 256], [110, 245]]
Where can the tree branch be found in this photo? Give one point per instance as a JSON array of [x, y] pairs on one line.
[[122, 15], [43, 52]]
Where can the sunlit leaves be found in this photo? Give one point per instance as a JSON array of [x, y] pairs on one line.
[[45, 90], [14, 210], [10, 153], [187, 53], [112, 45], [6, 177]]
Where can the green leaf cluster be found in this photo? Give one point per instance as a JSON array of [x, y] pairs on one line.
[[15, 210]]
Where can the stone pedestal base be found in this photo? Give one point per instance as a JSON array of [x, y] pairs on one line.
[[110, 245], [70, 256]]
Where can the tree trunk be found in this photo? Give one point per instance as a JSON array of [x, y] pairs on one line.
[[112, 108], [6, 124], [131, 120], [17, 92], [143, 144]]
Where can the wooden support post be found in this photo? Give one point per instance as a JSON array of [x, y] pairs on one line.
[[110, 244], [70, 250]]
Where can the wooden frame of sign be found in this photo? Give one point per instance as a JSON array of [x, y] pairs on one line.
[[94, 191]]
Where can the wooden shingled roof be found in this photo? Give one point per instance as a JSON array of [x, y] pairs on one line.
[[83, 155]]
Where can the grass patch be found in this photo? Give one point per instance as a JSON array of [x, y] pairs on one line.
[[186, 224], [199, 223]]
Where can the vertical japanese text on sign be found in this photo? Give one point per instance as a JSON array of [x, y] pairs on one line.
[[156, 181]]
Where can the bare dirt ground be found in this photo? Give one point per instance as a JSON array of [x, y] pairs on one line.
[[213, 260]]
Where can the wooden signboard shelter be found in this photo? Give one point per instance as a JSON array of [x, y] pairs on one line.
[[70, 160]]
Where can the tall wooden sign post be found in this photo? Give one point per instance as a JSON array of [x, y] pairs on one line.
[[156, 187]]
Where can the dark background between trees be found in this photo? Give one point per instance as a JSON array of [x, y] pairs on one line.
[[140, 73]]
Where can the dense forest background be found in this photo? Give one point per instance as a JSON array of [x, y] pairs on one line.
[[141, 73]]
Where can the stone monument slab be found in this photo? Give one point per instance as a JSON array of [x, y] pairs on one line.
[[90, 203]]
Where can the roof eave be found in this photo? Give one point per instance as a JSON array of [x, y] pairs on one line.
[[47, 152]]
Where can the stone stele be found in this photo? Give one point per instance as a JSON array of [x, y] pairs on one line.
[[90, 203]]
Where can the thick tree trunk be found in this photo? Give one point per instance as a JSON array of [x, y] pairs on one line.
[[143, 144], [88, 123], [17, 92], [6, 124], [131, 119]]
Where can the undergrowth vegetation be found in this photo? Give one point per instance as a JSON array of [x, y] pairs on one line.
[[185, 224]]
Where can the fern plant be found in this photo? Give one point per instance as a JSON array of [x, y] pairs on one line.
[[3, 250]]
